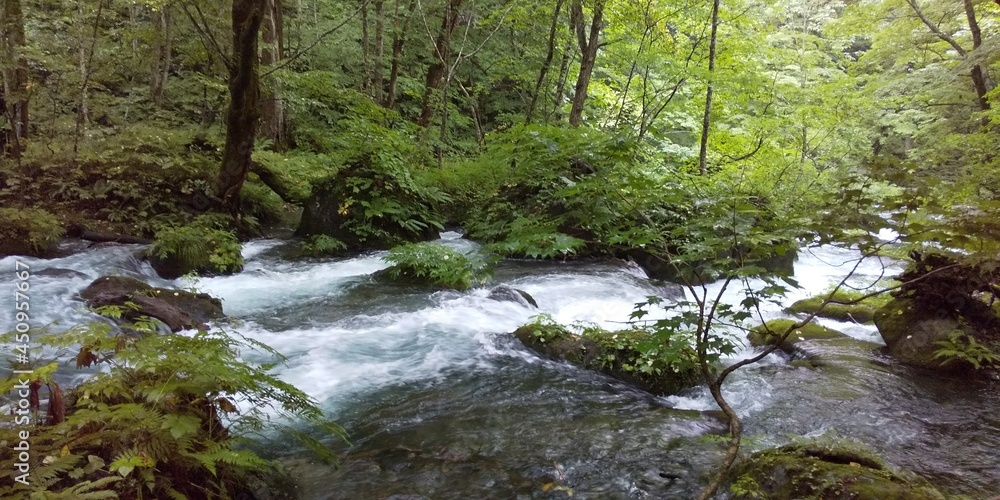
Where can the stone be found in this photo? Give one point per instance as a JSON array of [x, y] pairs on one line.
[[504, 293], [178, 309], [828, 471]]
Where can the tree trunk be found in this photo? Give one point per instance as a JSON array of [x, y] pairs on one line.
[[366, 63], [244, 97], [978, 75], [160, 68], [14, 90], [588, 47], [706, 120], [272, 106], [548, 60], [377, 81], [398, 40], [436, 72], [567, 56]]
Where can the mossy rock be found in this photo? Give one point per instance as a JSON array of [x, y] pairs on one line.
[[372, 202], [178, 309], [28, 231], [861, 312], [760, 336], [612, 353], [911, 332], [824, 471], [182, 250]]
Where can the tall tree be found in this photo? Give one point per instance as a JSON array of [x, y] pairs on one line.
[[400, 26], [14, 92], [160, 66], [548, 60], [980, 82], [244, 102], [707, 117], [272, 106], [379, 49], [588, 48], [442, 54]]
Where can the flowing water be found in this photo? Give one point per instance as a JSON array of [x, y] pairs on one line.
[[441, 401]]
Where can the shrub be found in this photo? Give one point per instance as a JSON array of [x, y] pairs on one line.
[[197, 248], [322, 245], [437, 265], [28, 231], [169, 417]]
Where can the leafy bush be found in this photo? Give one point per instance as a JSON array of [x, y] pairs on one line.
[[200, 247], [438, 265], [322, 245], [373, 202], [169, 417], [28, 231], [964, 349]]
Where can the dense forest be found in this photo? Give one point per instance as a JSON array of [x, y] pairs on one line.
[[707, 147]]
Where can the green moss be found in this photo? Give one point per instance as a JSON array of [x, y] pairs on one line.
[[828, 471], [761, 336], [861, 312], [28, 231], [632, 355]]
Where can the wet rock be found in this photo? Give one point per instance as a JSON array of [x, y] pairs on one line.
[[178, 309], [943, 299], [58, 272], [761, 336], [612, 353], [505, 293], [828, 471]]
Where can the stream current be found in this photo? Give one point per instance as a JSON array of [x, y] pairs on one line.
[[441, 401]]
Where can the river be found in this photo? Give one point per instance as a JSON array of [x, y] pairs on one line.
[[441, 401]]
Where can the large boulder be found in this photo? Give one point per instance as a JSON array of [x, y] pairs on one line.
[[944, 305], [505, 293], [178, 309], [196, 248], [912, 333], [371, 203], [827, 471], [613, 353]]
